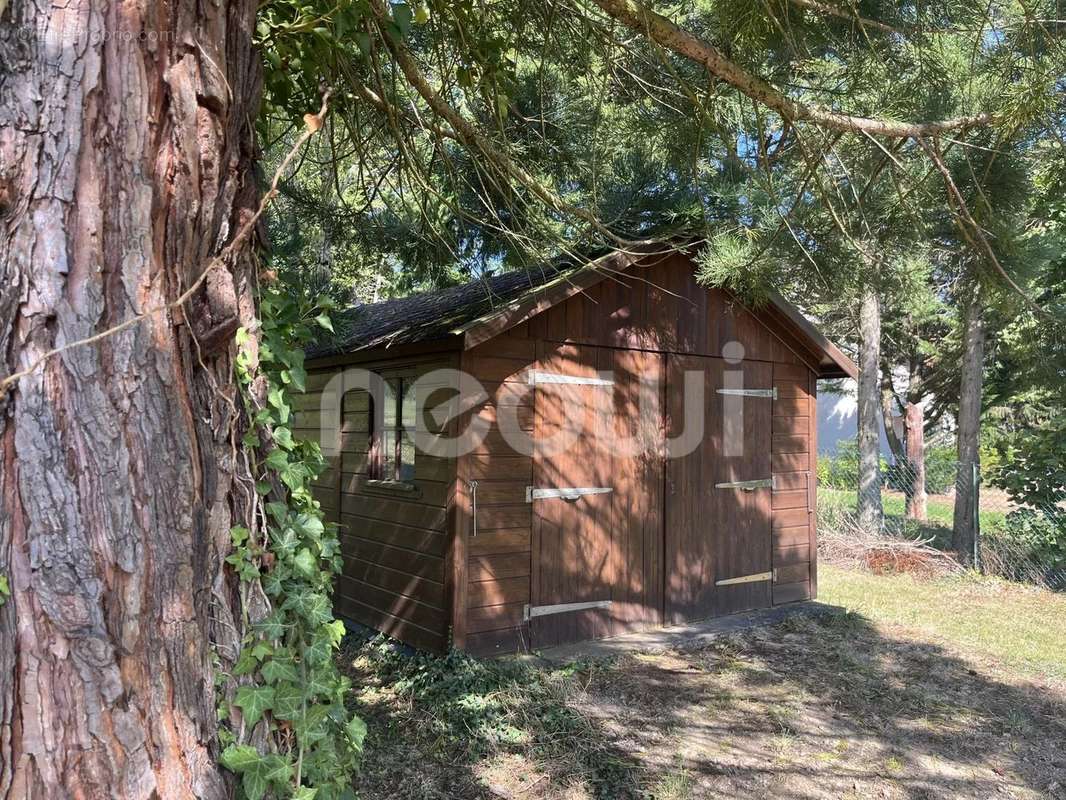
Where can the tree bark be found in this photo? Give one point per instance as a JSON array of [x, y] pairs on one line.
[[964, 529], [917, 499], [871, 515], [126, 147]]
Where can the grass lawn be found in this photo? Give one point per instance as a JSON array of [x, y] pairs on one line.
[[1024, 628], [942, 689]]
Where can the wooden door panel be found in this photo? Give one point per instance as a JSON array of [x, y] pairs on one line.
[[715, 534], [604, 546]]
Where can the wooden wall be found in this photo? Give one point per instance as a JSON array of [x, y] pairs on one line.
[[395, 540], [658, 307], [793, 454], [498, 564]]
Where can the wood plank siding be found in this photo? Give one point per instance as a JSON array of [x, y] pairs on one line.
[[663, 546], [658, 308], [395, 539]]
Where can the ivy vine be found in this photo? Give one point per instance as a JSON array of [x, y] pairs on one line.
[[287, 675]]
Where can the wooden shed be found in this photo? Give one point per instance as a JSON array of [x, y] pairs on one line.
[[511, 547]]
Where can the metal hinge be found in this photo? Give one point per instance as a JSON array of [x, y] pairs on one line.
[[759, 576], [473, 504], [568, 493], [747, 486], [535, 377], [771, 393], [561, 608]]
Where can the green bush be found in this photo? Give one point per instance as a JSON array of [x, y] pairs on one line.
[[1041, 535], [841, 471]]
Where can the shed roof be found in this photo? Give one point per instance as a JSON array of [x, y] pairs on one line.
[[476, 311]]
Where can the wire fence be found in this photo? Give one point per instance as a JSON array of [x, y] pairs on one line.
[[939, 518]]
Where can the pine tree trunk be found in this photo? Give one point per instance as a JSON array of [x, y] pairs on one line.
[[126, 147], [869, 503], [917, 499], [964, 530]]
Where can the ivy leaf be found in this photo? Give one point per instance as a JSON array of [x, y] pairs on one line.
[[299, 377], [283, 437], [253, 701], [356, 730], [278, 460], [313, 606], [246, 663], [288, 701], [335, 630], [239, 757], [305, 564], [276, 670], [305, 793], [322, 319], [238, 534], [309, 525], [320, 649]]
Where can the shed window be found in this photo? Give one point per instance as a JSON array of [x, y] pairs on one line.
[[393, 452]]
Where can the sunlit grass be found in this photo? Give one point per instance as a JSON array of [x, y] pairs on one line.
[[1018, 625]]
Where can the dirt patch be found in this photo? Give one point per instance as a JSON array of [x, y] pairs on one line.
[[813, 708]]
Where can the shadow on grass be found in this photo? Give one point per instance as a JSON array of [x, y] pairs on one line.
[[814, 707], [433, 719]]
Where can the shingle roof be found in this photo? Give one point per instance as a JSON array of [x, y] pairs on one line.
[[430, 315], [483, 308]]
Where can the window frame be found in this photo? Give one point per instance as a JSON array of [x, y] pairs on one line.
[[377, 457]]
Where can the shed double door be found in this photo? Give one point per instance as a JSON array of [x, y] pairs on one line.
[[718, 538], [596, 494]]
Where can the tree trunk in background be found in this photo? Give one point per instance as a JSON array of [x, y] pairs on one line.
[[869, 503], [126, 147], [917, 500], [964, 531]]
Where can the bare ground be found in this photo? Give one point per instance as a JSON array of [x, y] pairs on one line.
[[829, 707]]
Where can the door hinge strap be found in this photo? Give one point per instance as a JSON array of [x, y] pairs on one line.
[[759, 576], [536, 376], [747, 486], [771, 393], [567, 493], [561, 608]]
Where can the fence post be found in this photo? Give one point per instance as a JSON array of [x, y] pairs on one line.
[[976, 491]]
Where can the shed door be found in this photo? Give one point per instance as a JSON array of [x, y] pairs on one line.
[[597, 493], [718, 540]]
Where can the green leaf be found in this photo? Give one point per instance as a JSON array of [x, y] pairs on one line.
[[5, 588], [239, 757], [324, 321], [246, 663], [309, 525], [288, 701], [253, 701], [238, 534], [255, 784], [305, 793], [277, 669], [320, 649], [305, 564], [278, 460], [283, 438], [356, 730]]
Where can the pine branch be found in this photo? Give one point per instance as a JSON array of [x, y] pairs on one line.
[[639, 18]]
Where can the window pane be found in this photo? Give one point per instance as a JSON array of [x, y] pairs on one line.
[[407, 459], [392, 388], [388, 455], [407, 412]]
